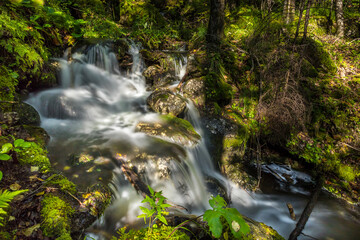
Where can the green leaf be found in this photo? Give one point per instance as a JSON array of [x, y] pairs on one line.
[[217, 202], [1, 175], [18, 142], [151, 190], [237, 224], [6, 148], [4, 157], [162, 219], [213, 219]]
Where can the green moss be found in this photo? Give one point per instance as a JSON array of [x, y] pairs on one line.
[[180, 124], [61, 182], [157, 232], [56, 215], [35, 156]]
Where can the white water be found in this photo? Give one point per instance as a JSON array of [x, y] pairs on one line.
[[96, 109]]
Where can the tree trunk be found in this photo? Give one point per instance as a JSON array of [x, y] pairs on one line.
[[307, 16], [339, 18], [215, 31], [307, 211], [302, 6], [289, 11]]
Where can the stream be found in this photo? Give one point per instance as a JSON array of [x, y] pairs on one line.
[[91, 117]]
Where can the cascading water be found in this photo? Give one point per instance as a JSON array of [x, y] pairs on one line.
[[95, 111]]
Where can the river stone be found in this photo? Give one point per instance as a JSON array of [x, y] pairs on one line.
[[152, 73], [171, 129], [194, 89], [164, 101], [155, 76]]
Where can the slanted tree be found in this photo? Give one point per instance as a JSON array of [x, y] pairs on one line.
[[339, 18]]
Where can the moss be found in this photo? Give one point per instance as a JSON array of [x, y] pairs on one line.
[[180, 124], [61, 182], [35, 156], [5, 236], [56, 215], [39, 134], [157, 232]]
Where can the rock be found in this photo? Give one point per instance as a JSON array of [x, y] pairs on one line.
[[164, 101], [194, 89], [171, 129], [157, 161], [260, 230], [195, 65], [158, 58], [18, 113], [155, 76]]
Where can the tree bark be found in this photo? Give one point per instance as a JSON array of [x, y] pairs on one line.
[[302, 6], [339, 18], [307, 17], [307, 211], [215, 31], [289, 11]]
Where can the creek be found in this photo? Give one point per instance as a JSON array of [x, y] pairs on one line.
[[91, 117]]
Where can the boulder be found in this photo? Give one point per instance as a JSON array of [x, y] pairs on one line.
[[164, 101], [156, 160], [19, 114], [194, 89], [171, 129], [156, 76]]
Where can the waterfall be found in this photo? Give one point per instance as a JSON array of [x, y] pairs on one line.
[[95, 110]]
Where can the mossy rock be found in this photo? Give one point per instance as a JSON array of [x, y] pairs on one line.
[[171, 129], [166, 102], [37, 134], [156, 77], [158, 58], [261, 231], [56, 215], [60, 182], [194, 89], [19, 113], [35, 156]]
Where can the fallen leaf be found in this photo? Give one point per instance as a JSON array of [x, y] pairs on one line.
[[15, 186], [40, 193], [28, 232]]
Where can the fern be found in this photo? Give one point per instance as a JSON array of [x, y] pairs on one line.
[[6, 197]]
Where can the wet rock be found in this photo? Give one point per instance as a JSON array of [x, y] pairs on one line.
[[155, 76], [157, 162], [171, 129], [18, 113], [166, 102], [194, 89], [158, 58]]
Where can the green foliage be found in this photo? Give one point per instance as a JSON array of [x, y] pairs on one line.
[[157, 207], [56, 215], [158, 232], [237, 224], [6, 197]]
